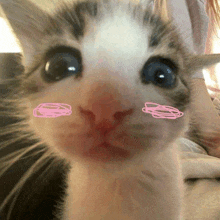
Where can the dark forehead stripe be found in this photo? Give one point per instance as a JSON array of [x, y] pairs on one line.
[[53, 27], [74, 15], [171, 45], [159, 28]]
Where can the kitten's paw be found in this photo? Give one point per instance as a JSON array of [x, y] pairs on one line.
[[212, 145], [209, 139], [206, 135]]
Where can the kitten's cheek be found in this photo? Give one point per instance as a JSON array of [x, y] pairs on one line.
[[41, 127]]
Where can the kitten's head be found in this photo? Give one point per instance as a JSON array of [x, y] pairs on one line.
[[105, 59]]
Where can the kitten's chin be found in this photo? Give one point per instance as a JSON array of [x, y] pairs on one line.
[[106, 152]]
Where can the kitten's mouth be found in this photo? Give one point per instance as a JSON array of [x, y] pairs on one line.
[[106, 152]]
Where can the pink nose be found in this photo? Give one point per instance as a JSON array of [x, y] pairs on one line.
[[105, 107], [104, 117]]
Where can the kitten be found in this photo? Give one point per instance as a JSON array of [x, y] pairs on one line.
[[106, 59]]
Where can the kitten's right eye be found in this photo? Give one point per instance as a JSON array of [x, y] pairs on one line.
[[61, 65], [161, 72]]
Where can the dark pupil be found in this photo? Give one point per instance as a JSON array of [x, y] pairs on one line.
[[159, 76], [60, 66]]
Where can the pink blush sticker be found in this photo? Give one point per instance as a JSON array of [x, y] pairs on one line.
[[162, 111], [52, 110]]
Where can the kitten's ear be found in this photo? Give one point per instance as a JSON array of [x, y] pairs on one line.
[[27, 21], [198, 62]]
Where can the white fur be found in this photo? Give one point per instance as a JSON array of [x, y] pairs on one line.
[[91, 195]]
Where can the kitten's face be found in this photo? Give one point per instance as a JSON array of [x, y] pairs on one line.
[[110, 48], [109, 89], [115, 57]]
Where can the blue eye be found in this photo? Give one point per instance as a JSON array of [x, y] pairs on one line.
[[61, 65], [160, 72]]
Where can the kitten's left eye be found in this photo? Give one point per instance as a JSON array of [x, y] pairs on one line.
[[61, 65], [160, 72]]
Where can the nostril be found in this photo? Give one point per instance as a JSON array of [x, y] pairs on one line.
[[88, 114], [106, 123], [105, 126], [119, 116]]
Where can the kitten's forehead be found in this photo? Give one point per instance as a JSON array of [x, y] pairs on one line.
[[119, 30], [114, 17], [117, 39], [120, 33]]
